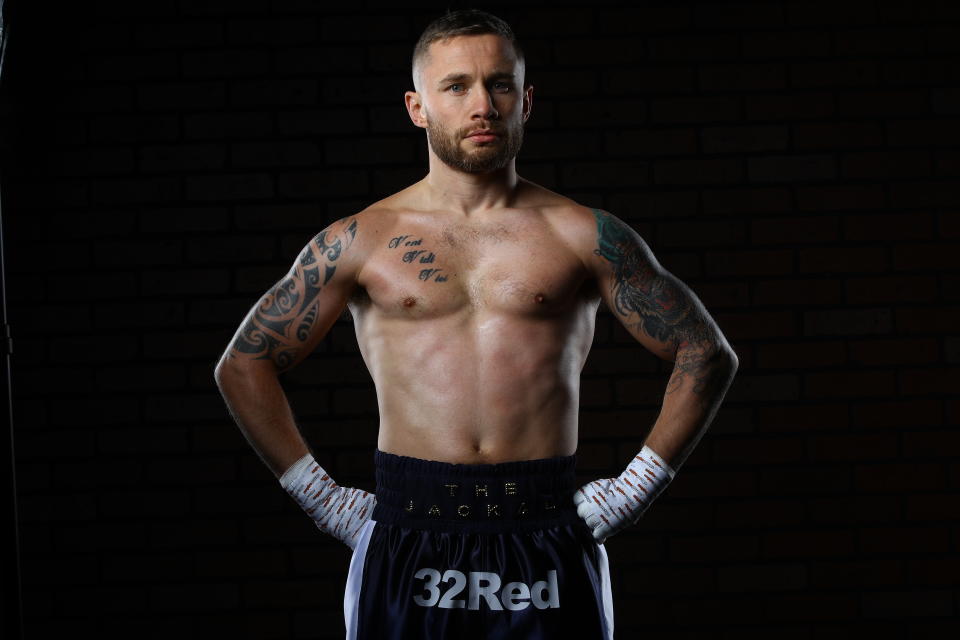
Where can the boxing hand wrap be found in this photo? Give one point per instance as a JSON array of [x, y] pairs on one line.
[[613, 504], [339, 511]]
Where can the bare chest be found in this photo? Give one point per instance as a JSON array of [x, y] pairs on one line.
[[422, 271]]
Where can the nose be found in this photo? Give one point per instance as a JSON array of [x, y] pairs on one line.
[[482, 104]]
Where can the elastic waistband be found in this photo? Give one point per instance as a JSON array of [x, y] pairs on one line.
[[507, 496]]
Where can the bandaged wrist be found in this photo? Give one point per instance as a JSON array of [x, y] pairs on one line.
[[649, 475], [609, 505], [336, 510]]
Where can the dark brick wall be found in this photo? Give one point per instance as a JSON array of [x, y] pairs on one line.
[[795, 163]]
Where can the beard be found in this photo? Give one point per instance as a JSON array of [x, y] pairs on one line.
[[478, 157]]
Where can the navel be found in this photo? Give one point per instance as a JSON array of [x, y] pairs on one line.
[[539, 298], [409, 301]]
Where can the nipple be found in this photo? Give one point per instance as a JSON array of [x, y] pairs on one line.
[[409, 301], [539, 297]]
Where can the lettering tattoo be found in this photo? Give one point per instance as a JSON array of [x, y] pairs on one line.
[[279, 325], [417, 256], [647, 298], [426, 274]]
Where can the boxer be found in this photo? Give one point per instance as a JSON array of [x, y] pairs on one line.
[[474, 295]]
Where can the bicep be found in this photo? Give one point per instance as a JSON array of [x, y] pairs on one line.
[[659, 310], [290, 319]]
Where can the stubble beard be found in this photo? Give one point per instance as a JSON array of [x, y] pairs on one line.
[[476, 158]]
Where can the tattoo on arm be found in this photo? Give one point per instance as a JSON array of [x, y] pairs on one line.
[[278, 326], [647, 299]]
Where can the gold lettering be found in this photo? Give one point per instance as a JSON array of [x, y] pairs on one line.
[[482, 491], [463, 510], [510, 488], [452, 488], [434, 511], [493, 509]]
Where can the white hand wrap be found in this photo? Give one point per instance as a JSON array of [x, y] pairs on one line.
[[613, 504], [339, 511]]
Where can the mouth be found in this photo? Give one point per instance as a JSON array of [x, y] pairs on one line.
[[483, 136]]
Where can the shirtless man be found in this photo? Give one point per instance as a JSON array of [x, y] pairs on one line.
[[474, 294]]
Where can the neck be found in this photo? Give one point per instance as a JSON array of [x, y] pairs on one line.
[[467, 194]]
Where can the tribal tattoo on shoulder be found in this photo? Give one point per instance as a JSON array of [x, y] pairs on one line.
[[657, 304], [279, 325]]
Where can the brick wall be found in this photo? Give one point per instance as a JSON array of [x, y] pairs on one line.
[[795, 163]]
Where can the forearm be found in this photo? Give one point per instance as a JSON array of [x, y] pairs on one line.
[[258, 404], [260, 408], [692, 398]]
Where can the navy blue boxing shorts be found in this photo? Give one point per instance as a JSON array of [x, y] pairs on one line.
[[477, 551]]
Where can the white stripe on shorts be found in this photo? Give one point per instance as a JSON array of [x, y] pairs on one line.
[[607, 591], [351, 595]]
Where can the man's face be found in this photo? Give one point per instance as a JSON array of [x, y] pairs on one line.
[[471, 83]]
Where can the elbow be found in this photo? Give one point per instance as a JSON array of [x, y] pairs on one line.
[[732, 360], [727, 369], [723, 356], [727, 360], [220, 374], [226, 372], [231, 372], [721, 359], [232, 380]]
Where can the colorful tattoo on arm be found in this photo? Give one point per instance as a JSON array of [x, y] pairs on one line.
[[649, 299], [277, 328]]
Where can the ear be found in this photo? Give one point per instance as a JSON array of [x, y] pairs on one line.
[[527, 102], [415, 108]]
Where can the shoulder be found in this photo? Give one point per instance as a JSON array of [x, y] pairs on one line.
[[357, 228], [597, 236], [562, 211], [362, 229], [581, 229], [578, 226], [353, 239]]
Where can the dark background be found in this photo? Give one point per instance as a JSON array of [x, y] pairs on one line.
[[795, 163]]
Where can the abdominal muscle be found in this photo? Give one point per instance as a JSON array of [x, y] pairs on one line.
[[474, 388]]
